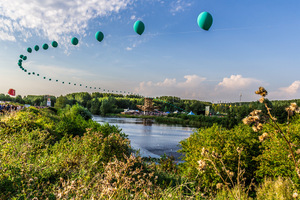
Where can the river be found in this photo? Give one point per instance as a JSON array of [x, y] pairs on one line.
[[151, 138]]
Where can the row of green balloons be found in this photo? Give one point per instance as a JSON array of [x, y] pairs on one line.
[[54, 44], [139, 28]]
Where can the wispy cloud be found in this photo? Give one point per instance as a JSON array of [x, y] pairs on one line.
[[54, 19], [179, 6], [133, 17], [59, 71]]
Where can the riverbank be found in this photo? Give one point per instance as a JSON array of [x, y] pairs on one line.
[[195, 121]]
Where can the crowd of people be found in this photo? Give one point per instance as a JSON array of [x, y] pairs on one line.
[[8, 108]]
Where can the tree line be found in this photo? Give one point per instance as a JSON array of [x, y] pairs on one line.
[[106, 103]]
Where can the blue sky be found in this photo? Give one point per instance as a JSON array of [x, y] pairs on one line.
[[250, 44]]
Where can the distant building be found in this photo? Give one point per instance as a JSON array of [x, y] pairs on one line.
[[207, 110], [130, 112]]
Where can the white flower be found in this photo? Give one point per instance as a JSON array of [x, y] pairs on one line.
[[295, 195]]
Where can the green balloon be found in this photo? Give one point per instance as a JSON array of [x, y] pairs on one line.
[[29, 73], [74, 83], [80, 84], [205, 20], [21, 56], [49, 79], [38, 74], [56, 80], [85, 86], [54, 44], [33, 73], [24, 57], [45, 46], [69, 83], [44, 77], [36, 47], [139, 27], [29, 50], [99, 36], [74, 41], [63, 82], [25, 70]]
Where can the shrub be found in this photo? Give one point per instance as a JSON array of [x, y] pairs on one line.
[[224, 143], [276, 159], [38, 149], [76, 110]]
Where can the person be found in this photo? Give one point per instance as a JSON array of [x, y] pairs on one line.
[[1, 109]]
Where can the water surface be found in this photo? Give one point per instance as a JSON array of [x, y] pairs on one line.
[[151, 138]]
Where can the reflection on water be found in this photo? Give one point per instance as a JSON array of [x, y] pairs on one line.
[[151, 138]]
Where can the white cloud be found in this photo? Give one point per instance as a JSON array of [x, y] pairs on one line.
[[236, 82], [179, 6], [54, 19], [190, 88], [196, 87], [290, 92], [167, 83], [292, 89], [133, 17], [132, 46], [6, 36], [192, 81]]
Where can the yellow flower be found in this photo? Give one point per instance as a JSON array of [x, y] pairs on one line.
[[262, 91]]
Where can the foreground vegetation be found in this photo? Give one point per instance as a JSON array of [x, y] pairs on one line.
[[63, 154]]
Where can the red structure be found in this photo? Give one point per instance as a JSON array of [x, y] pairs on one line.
[[12, 92]]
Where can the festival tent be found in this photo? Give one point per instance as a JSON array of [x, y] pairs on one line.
[[191, 113]]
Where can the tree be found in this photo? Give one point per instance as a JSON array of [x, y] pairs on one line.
[[107, 106], [19, 99], [61, 102], [95, 106]]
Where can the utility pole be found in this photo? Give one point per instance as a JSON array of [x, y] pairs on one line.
[[241, 99]]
